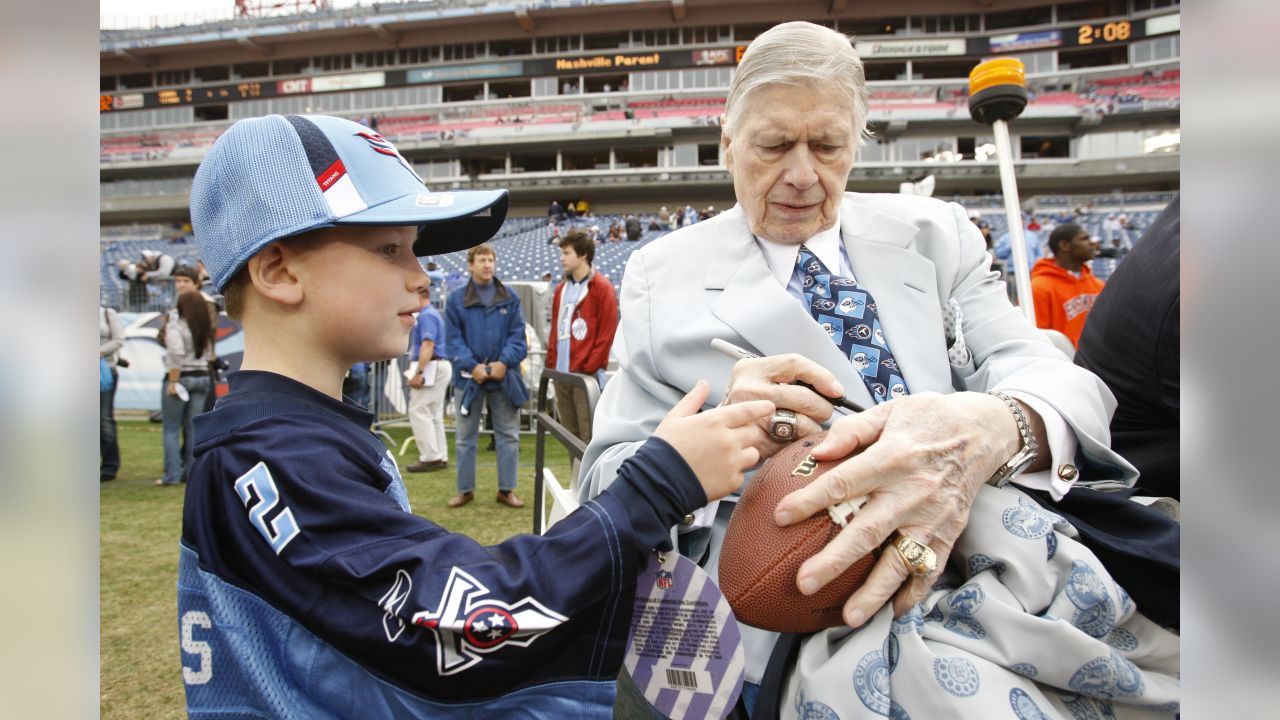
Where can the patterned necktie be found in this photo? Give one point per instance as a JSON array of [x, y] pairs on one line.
[[848, 313]]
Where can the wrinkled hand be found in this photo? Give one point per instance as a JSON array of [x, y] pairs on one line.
[[924, 458], [769, 378], [718, 444], [497, 370], [478, 373]]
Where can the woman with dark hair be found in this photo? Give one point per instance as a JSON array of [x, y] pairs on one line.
[[188, 343]]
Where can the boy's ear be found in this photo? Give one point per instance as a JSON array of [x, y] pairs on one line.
[[272, 276]]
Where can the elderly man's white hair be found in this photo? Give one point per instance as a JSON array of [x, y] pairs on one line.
[[800, 53]]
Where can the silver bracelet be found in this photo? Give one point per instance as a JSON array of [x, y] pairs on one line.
[[1025, 454]]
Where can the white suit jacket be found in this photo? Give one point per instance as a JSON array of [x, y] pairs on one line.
[[911, 253]]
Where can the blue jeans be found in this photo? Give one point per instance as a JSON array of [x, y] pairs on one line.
[[506, 427], [177, 418], [108, 445], [356, 385]]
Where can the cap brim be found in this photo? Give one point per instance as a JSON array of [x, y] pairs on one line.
[[448, 221]]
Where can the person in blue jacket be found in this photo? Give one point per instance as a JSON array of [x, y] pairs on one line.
[[307, 589], [485, 327]]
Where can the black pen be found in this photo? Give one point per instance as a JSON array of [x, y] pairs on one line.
[[738, 353]]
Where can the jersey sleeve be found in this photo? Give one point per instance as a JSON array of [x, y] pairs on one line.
[[315, 533]]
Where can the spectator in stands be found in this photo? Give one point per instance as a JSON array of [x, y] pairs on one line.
[[615, 232], [1063, 286], [594, 233], [455, 280], [133, 275], [1110, 227], [110, 340], [688, 216], [983, 405], [1132, 342], [485, 329], [554, 212], [1003, 248], [202, 274], [583, 207], [428, 348], [156, 266], [1109, 257], [664, 217], [633, 228], [435, 274], [584, 312], [188, 348], [985, 228]]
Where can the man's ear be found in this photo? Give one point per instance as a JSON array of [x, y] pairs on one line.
[[271, 273], [725, 153]]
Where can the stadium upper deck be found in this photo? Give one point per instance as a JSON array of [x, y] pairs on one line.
[[621, 99]]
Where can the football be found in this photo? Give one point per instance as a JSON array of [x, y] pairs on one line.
[[759, 560]]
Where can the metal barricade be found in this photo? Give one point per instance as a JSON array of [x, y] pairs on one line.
[[389, 391], [565, 501]]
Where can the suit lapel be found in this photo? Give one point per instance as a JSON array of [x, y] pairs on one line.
[[764, 314], [904, 286]]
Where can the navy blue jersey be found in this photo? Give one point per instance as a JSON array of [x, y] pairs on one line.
[[307, 589]]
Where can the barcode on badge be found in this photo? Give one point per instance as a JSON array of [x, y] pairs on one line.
[[683, 679]]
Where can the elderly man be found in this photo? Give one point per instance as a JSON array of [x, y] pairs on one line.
[[887, 300]]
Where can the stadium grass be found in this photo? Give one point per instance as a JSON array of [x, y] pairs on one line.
[[141, 670]]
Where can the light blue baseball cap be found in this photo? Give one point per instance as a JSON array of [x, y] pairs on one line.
[[272, 177]]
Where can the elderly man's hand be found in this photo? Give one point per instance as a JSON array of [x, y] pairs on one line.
[[770, 378], [922, 460]]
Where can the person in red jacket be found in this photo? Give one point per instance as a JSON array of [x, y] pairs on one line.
[[584, 314], [1063, 286]]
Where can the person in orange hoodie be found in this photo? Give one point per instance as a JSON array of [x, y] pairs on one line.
[[1063, 287]]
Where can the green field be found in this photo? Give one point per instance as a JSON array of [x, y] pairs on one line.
[[141, 672]]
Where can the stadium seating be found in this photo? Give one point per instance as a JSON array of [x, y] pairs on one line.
[[459, 120], [527, 250]]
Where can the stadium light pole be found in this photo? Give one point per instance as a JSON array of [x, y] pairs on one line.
[[998, 94]]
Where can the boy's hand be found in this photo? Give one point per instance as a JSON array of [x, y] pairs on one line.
[[718, 444]]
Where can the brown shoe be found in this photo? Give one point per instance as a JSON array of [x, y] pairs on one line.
[[461, 499], [428, 466], [510, 500]]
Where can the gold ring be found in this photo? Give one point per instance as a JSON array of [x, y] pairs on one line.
[[920, 558], [783, 426]]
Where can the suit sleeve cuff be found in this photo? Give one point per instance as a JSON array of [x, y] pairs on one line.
[[1062, 449]]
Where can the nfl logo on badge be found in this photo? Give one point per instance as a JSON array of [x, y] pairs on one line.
[[664, 579]]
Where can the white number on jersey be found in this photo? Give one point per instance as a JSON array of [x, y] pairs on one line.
[[280, 530], [203, 673]]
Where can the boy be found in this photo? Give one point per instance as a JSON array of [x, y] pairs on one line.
[[306, 588]]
